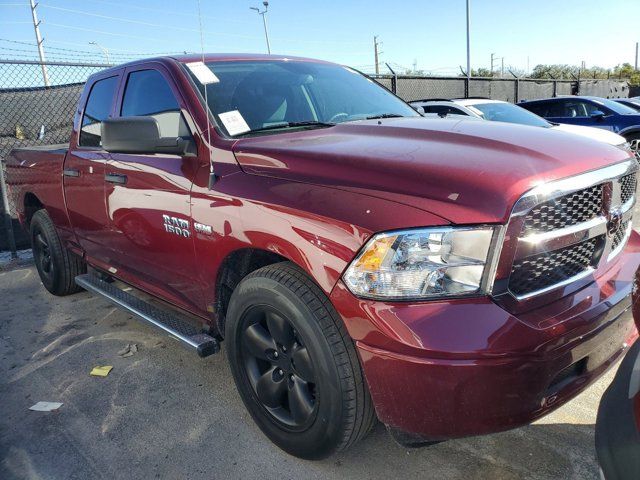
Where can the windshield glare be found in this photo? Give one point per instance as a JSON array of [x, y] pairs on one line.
[[269, 93], [506, 112]]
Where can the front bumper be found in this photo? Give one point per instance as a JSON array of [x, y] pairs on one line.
[[440, 370]]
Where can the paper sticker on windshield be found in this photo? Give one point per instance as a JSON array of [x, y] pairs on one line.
[[233, 122], [202, 73]]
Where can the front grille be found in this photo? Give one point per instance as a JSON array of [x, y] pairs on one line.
[[577, 207], [628, 187], [546, 269], [546, 253], [619, 235]]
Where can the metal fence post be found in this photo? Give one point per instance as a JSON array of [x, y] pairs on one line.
[[394, 84], [467, 80], [555, 88], [8, 224]]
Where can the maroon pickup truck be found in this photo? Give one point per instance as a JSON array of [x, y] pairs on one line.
[[360, 262]]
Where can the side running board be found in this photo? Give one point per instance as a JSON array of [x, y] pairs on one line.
[[172, 323]]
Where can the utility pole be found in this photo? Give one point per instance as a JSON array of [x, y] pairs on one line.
[[636, 56], [264, 22], [502, 68], [492, 57], [376, 44], [105, 51], [415, 65], [36, 27], [468, 43]]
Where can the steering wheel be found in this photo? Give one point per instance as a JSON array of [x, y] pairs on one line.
[[337, 116]]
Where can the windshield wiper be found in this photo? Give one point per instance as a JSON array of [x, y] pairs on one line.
[[276, 126], [384, 115]]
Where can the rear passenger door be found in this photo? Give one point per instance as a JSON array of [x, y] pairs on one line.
[[84, 168], [148, 196]]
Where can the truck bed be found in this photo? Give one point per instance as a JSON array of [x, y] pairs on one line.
[[39, 166]]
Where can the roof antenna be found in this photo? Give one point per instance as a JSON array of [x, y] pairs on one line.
[[212, 175]]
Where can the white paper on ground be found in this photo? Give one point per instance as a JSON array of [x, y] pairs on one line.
[[234, 122], [202, 73], [45, 406]]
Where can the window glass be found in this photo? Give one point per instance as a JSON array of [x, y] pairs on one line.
[[148, 94], [546, 109], [96, 110], [577, 109], [443, 109], [270, 93], [507, 112], [615, 106]]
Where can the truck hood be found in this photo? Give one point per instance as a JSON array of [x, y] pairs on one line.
[[463, 171]]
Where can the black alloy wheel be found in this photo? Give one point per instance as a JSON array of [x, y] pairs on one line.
[[295, 366], [56, 266], [42, 253], [279, 367]]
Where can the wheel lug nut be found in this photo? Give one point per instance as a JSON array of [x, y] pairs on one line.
[[275, 354], [291, 377]]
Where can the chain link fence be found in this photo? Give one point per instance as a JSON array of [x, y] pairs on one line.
[[38, 112], [34, 114]]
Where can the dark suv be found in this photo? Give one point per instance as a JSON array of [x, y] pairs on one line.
[[590, 112]]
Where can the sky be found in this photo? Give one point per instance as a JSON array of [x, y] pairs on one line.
[[430, 33]]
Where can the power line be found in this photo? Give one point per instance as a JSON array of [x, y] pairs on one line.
[[129, 52], [173, 27]]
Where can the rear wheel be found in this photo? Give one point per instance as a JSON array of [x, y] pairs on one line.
[[294, 364], [56, 266]]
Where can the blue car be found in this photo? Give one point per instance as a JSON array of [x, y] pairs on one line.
[[591, 112]]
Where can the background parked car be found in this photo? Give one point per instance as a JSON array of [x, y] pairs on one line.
[[590, 112], [499, 111], [633, 102]]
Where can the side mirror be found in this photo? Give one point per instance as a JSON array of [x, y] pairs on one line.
[[420, 110], [140, 135], [597, 114]]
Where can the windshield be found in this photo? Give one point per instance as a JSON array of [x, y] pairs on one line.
[[616, 107], [272, 96], [507, 112]]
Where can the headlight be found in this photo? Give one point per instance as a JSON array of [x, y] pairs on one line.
[[420, 264]]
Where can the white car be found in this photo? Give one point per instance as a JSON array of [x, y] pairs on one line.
[[499, 111]]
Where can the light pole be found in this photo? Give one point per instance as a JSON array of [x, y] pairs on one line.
[[104, 51], [264, 22], [468, 43]]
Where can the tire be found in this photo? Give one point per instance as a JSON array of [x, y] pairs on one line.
[[56, 266], [301, 383]]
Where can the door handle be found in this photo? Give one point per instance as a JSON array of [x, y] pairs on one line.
[[116, 178], [71, 172]]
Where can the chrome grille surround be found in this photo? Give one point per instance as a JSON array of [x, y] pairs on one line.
[[607, 231]]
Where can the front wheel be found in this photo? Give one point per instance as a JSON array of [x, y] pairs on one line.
[[294, 364], [56, 266]]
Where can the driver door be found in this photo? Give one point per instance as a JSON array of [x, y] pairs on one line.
[[148, 196]]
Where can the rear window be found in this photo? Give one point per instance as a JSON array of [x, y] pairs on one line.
[[443, 109], [96, 110]]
